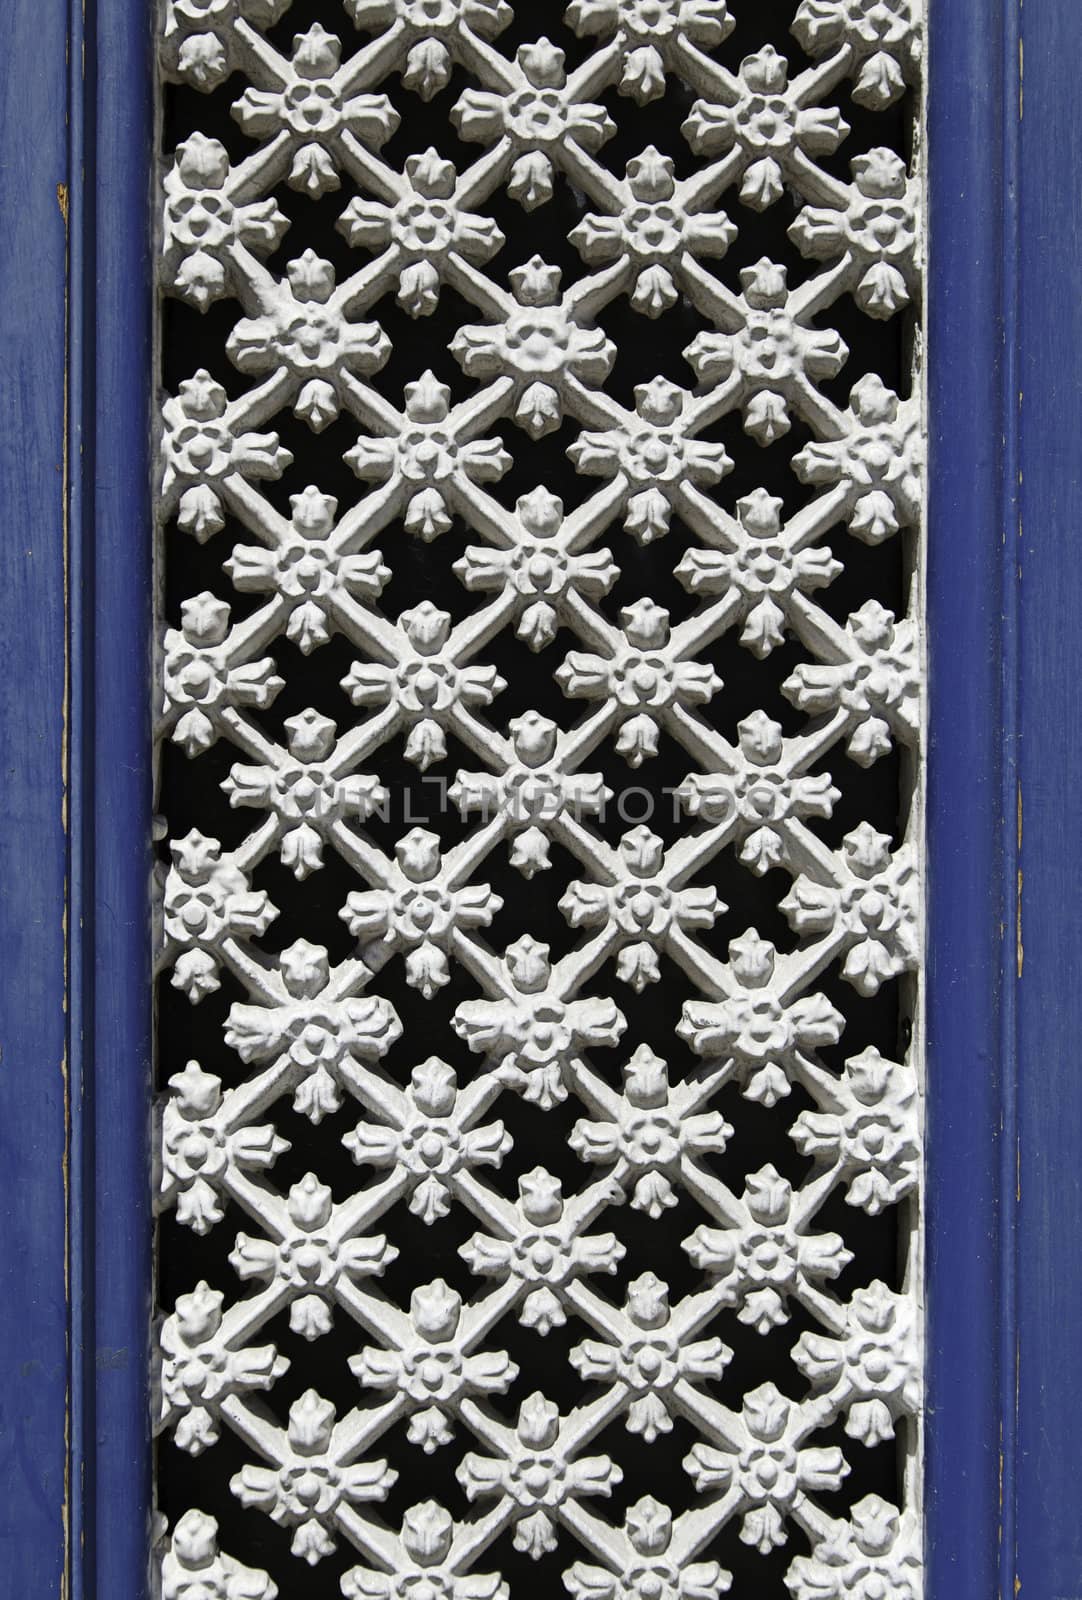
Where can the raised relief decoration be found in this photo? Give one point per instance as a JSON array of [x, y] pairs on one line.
[[540, 696]]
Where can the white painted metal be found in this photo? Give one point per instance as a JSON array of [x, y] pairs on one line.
[[312, 1032]]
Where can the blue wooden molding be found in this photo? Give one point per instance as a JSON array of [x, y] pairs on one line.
[[970, 932], [1047, 1483], [76, 288], [111, 752], [35, 1064], [1005, 802]]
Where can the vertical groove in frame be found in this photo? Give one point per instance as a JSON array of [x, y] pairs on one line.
[[34, 1065], [117, 666], [1010, 801], [78, 386], [1048, 1531]]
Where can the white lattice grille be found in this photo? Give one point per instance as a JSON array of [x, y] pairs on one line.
[[540, 688]]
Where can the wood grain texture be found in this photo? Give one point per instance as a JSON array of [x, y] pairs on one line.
[[1048, 1536], [75, 285], [34, 1065], [969, 865], [113, 756], [1005, 1446]]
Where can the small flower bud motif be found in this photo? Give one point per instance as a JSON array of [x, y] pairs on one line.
[[303, 792], [767, 1465], [648, 1565], [312, 1033], [199, 1368], [207, 901], [430, 453], [769, 1257], [547, 1251], [655, 1131], [762, 793], [310, 1257], [651, 1359], [766, 569], [199, 1150], [872, 1369], [773, 358], [433, 1370], [431, 1144], [650, 33], [199, 42], [538, 567], [767, 124], [201, 224], [425, 689], [195, 1568], [653, 231], [879, 459], [641, 906], [874, 908], [310, 109], [312, 1480], [876, 1555], [540, 344], [882, 36], [203, 445], [421, 912], [423, 1565], [871, 1130], [538, 115], [760, 1036], [655, 456], [538, 1474], [535, 1031], [644, 677]]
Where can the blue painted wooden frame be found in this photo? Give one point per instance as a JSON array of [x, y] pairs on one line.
[[1005, 800], [35, 1066], [111, 636], [75, 366], [972, 755]]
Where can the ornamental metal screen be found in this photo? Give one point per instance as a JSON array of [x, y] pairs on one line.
[[540, 694]]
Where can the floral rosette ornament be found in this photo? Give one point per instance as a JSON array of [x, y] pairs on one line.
[[536, 1474], [768, 125], [433, 32], [195, 1564], [875, 1555], [649, 34], [536, 1033], [538, 117], [544, 344], [882, 39], [422, 1564], [767, 1467], [202, 224]]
